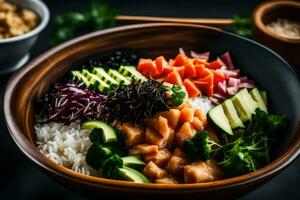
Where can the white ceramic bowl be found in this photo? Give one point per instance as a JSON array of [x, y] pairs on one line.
[[14, 52]]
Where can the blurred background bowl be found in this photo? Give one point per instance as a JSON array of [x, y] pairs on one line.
[[15, 51], [270, 11]]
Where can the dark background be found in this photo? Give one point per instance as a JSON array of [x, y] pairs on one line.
[[20, 179]]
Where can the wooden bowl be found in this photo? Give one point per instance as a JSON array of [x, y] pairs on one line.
[[270, 11], [151, 40]]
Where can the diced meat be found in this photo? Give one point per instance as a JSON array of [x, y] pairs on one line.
[[177, 162], [152, 137], [160, 159], [167, 180], [163, 127], [160, 124], [134, 134], [197, 124], [198, 113], [202, 172], [143, 149], [154, 172], [186, 132], [186, 115], [170, 139], [172, 116]]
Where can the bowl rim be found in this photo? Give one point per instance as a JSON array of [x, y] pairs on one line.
[[43, 23], [261, 10], [41, 160]]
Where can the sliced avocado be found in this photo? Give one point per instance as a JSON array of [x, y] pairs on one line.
[[263, 94], [101, 73], [132, 73], [133, 161], [96, 81], [130, 174], [109, 134], [232, 115], [118, 77], [244, 105], [255, 94], [219, 119], [80, 77]]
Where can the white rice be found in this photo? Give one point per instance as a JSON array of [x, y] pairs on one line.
[[65, 145], [204, 103]]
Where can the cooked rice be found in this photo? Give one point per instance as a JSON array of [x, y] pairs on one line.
[[204, 103], [65, 145]]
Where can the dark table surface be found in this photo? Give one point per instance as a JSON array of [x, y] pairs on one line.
[[20, 179]]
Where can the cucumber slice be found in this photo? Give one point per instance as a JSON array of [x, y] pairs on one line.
[[219, 119], [109, 134], [96, 81], [132, 73], [101, 73], [80, 77], [133, 161], [232, 115], [130, 174], [255, 94], [118, 77]]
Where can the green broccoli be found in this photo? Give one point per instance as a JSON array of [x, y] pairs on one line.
[[201, 146], [110, 167], [96, 155]]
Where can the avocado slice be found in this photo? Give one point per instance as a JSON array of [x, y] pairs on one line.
[[255, 94], [244, 105], [133, 161], [109, 134], [219, 119], [232, 115], [130, 174]]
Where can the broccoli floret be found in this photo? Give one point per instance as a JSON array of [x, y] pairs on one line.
[[110, 167], [201, 146], [96, 136], [96, 155]]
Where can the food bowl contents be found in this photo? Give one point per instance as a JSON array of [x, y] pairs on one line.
[[189, 119], [15, 21], [285, 28]]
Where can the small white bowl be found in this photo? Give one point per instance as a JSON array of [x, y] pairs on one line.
[[14, 52]]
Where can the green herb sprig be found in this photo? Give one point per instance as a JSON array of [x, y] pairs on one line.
[[69, 25]]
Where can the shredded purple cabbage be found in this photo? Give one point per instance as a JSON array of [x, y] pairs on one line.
[[72, 101]]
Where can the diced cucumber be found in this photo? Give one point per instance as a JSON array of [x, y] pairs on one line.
[[101, 73], [80, 77], [96, 81], [255, 94], [118, 77], [133, 175], [109, 134], [132, 73], [219, 119], [133, 161]]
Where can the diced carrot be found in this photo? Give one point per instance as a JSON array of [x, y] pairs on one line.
[[191, 88], [203, 73], [174, 78], [171, 62], [181, 71], [147, 67], [167, 70], [179, 60], [186, 115], [190, 71], [199, 68], [217, 64], [160, 63], [198, 61], [218, 76], [206, 85]]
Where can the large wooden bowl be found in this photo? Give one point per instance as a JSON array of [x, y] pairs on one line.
[[261, 64]]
